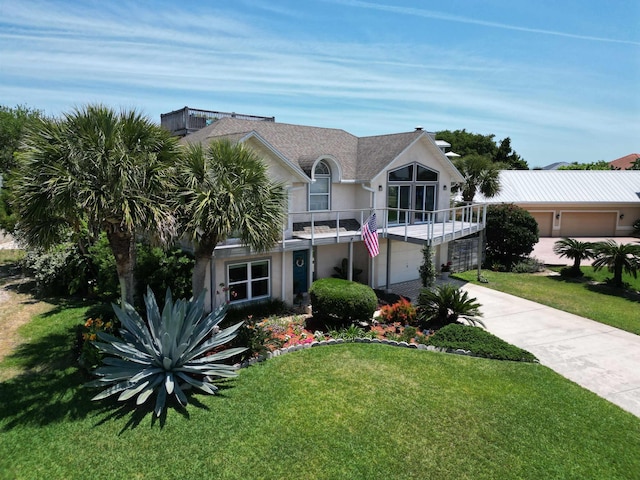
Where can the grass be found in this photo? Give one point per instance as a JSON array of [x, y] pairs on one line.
[[585, 297], [348, 411]]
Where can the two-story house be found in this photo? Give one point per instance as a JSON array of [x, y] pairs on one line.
[[335, 181]]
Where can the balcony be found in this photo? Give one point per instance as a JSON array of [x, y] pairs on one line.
[[418, 226]]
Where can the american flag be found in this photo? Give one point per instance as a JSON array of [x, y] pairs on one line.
[[370, 236]]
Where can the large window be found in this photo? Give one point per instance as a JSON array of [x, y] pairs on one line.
[[411, 192], [320, 189], [248, 281]]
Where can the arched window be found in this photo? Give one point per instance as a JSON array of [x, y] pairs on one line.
[[320, 189]]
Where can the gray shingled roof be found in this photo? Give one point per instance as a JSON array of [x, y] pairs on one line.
[[567, 186], [360, 158]]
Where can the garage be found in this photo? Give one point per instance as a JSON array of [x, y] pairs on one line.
[[545, 223], [588, 224]]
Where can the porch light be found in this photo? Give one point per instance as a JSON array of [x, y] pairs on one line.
[[621, 216], [379, 188], [557, 216], [444, 187]]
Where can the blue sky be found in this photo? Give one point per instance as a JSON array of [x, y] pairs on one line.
[[561, 78]]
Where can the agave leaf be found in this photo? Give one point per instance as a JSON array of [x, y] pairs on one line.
[[132, 322], [146, 393], [121, 350], [228, 353], [167, 363], [153, 314], [130, 392], [221, 338], [160, 401], [147, 372], [207, 324], [165, 342], [182, 398], [169, 383], [204, 386], [116, 373], [112, 390]]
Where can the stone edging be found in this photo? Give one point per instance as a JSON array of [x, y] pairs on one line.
[[339, 341]]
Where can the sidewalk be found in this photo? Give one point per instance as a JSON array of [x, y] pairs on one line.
[[598, 357]]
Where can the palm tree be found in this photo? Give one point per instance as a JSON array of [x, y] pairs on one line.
[[447, 304], [226, 190], [100, 170], [575, 250], [617, 257], [480, 174]]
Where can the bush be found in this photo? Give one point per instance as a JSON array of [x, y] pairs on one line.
[[479, 342], [402, 312], [528, 265], [512, 232], [340, 301], [61, 271], [162, 270]]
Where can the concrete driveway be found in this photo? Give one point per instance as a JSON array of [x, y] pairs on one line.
[[543, 250], [602, 359]]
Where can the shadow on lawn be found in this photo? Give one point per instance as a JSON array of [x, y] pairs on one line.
[[51, 390], [602, 288]]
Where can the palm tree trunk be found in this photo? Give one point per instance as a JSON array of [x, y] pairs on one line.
[[203, 253], [123, 246], [199, 274]]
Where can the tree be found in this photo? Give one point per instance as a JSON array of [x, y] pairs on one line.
[[466, 143], [480, 174], [13, 124], [617, 257], [575, 250], [97, 170], [427, 269], [225, 191], [599, 165], [506, 156], [511, 232]]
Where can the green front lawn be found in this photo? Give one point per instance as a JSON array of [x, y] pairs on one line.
[[584, 297], [351, 411]]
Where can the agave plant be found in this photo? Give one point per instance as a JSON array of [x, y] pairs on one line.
[[165, 354]]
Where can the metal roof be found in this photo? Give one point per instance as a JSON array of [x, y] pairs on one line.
[[567, 186]]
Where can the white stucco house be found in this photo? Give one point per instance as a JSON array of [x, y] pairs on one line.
[[335, 181]]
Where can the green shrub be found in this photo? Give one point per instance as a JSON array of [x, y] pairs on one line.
[[528, 265], [339, 301], [511, 232], [162, 270], [61, 271], [479, 342]]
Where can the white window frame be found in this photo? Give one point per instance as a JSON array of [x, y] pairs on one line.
[[321, 176], [248, 281]]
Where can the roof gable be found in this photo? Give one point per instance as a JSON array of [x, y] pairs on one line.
[[359, 159]]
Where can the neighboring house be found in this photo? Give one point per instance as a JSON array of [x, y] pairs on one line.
[[556, 165], [574, 203], [625, 163], [335, 181]]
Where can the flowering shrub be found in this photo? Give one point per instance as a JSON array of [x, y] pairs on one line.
[[402, 312], [90, 357]]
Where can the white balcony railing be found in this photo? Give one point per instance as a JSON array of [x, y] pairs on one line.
[[401, 224]]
